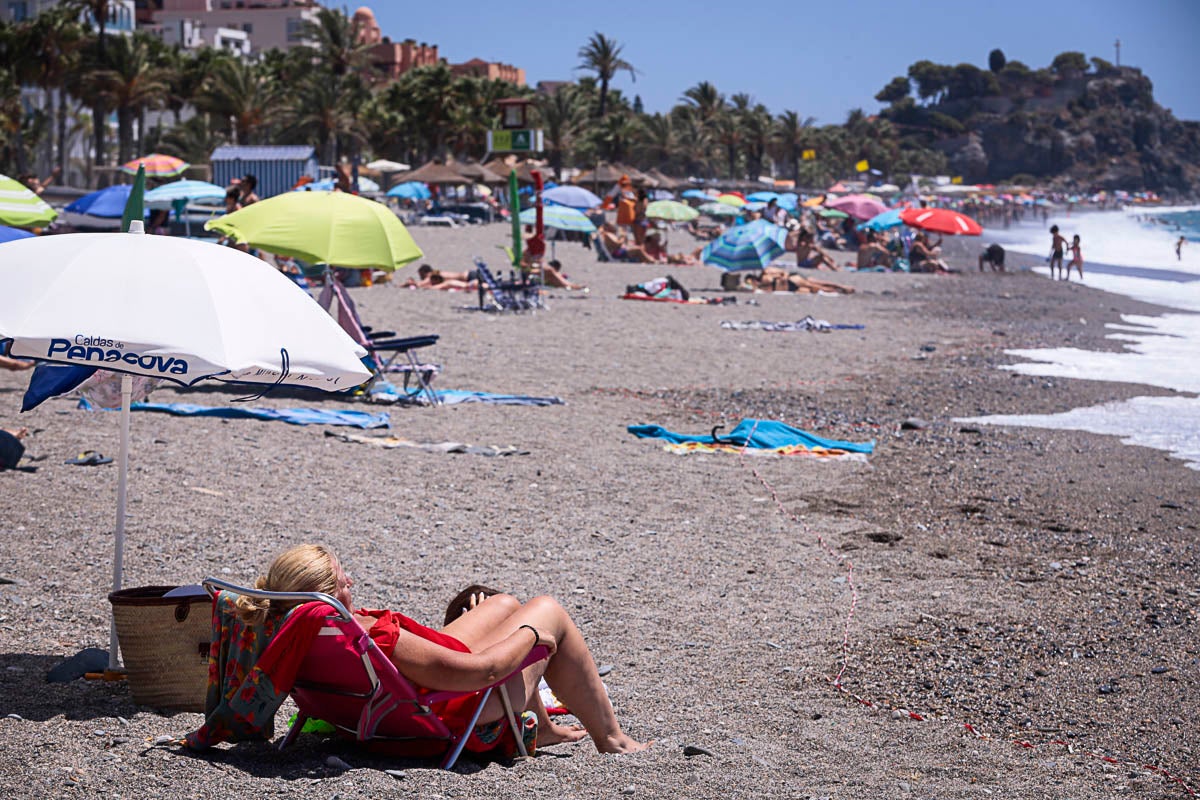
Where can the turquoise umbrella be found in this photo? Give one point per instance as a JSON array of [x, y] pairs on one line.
[[191, 191], [750, 246], [882, 222], [564, 218]]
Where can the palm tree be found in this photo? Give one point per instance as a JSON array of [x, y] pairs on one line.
[[327, 108], [193, 140], [727, 130], [695, 140], [656, 144], [792, 135], [244, 97], [99, 12], [602, 56], [561, 115], [130, 85], [58, 38], [705, 100], [335, 46]]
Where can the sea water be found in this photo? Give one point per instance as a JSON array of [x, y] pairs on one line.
[[1131, 253]]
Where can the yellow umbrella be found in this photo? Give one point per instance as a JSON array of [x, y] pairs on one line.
[[813, 202], [335, 228], [731, 200]]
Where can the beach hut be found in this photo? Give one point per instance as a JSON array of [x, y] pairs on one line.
[[437, 173], [277, 168]]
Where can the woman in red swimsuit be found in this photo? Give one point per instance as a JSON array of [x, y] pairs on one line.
[[486, 643]]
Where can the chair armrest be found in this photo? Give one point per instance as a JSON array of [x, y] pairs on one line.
[[211, 584], [408, 343]]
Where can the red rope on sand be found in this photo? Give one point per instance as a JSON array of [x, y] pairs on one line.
[[836, 680]]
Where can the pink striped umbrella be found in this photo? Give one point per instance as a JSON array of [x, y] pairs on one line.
[[157, 166], [858, 206]]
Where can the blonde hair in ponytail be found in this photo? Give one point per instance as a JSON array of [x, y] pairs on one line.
[[303, 568]]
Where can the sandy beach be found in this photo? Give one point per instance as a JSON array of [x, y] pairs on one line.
[[1029, 595]]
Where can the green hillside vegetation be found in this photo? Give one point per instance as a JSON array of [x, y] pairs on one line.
[[1076, 124]]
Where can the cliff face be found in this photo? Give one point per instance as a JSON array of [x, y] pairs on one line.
[[1100, 130]]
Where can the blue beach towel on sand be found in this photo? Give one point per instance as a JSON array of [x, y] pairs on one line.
[[293, 416], [767, 435]]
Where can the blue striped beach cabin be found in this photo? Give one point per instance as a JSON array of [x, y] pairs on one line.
[[276, 167]]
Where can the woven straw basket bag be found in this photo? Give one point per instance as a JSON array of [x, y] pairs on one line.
[[164, 645]]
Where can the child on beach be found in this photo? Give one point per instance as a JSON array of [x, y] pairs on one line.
[[1076, 258], [1179, 248], [1057, 246]]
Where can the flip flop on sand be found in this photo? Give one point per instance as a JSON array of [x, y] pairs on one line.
[[89, 458], [461, 603]]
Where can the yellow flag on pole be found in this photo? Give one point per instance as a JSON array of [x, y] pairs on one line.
[[956, 180], [809, 155], [862, 166]]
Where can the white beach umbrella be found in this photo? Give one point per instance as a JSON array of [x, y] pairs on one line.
[[170, 308]]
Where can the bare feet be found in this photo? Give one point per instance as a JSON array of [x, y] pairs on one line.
[[557, 734], [620, 744], [16, 433]]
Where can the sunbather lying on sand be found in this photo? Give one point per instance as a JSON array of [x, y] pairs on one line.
[[774, 279], [489, 640], [656, 251], [430, 278]]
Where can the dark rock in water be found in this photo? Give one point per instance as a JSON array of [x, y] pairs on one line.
[[969, 429], [914, 424], [928, 348], [691, 750], [90, 659]]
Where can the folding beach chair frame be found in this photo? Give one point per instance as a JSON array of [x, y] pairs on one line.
[[513, 295], [376, 343], [379, 671]]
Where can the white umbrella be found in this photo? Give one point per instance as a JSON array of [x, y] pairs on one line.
[[383, 165], [170, 308]]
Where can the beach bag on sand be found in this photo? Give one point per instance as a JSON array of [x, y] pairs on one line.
[[164, 637]]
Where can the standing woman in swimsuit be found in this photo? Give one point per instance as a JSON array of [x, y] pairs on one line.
[[1057, 246]]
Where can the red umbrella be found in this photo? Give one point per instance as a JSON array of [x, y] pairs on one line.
[[941, 220]]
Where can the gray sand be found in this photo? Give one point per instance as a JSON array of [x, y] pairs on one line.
[[1036, 585]]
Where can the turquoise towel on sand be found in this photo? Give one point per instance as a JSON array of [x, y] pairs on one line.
[[767, 435]]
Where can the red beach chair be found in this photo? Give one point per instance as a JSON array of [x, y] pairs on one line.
[[345, 680]]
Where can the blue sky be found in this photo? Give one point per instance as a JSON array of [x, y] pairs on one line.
[[818, 58]]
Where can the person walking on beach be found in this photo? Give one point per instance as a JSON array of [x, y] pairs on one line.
[[1179, 248], [1057, 246], [1076, 258]]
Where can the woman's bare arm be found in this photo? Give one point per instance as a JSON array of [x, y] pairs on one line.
[[436, 667]]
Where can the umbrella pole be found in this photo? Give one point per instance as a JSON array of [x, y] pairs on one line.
[[119, 539]]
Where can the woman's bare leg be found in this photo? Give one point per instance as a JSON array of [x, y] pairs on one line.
[[571, 673]]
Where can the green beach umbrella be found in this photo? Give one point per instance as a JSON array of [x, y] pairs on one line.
[[135, 206], [334, 228], [719, 210], [671, 210], [514, 206], [832, 213], [21, 208]]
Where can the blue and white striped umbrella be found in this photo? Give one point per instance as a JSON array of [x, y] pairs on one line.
[[697, 194], [561, 217], [572, 197], [190, 191], [750, 246]]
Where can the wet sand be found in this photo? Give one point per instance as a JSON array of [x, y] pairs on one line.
[[1039, 586]]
